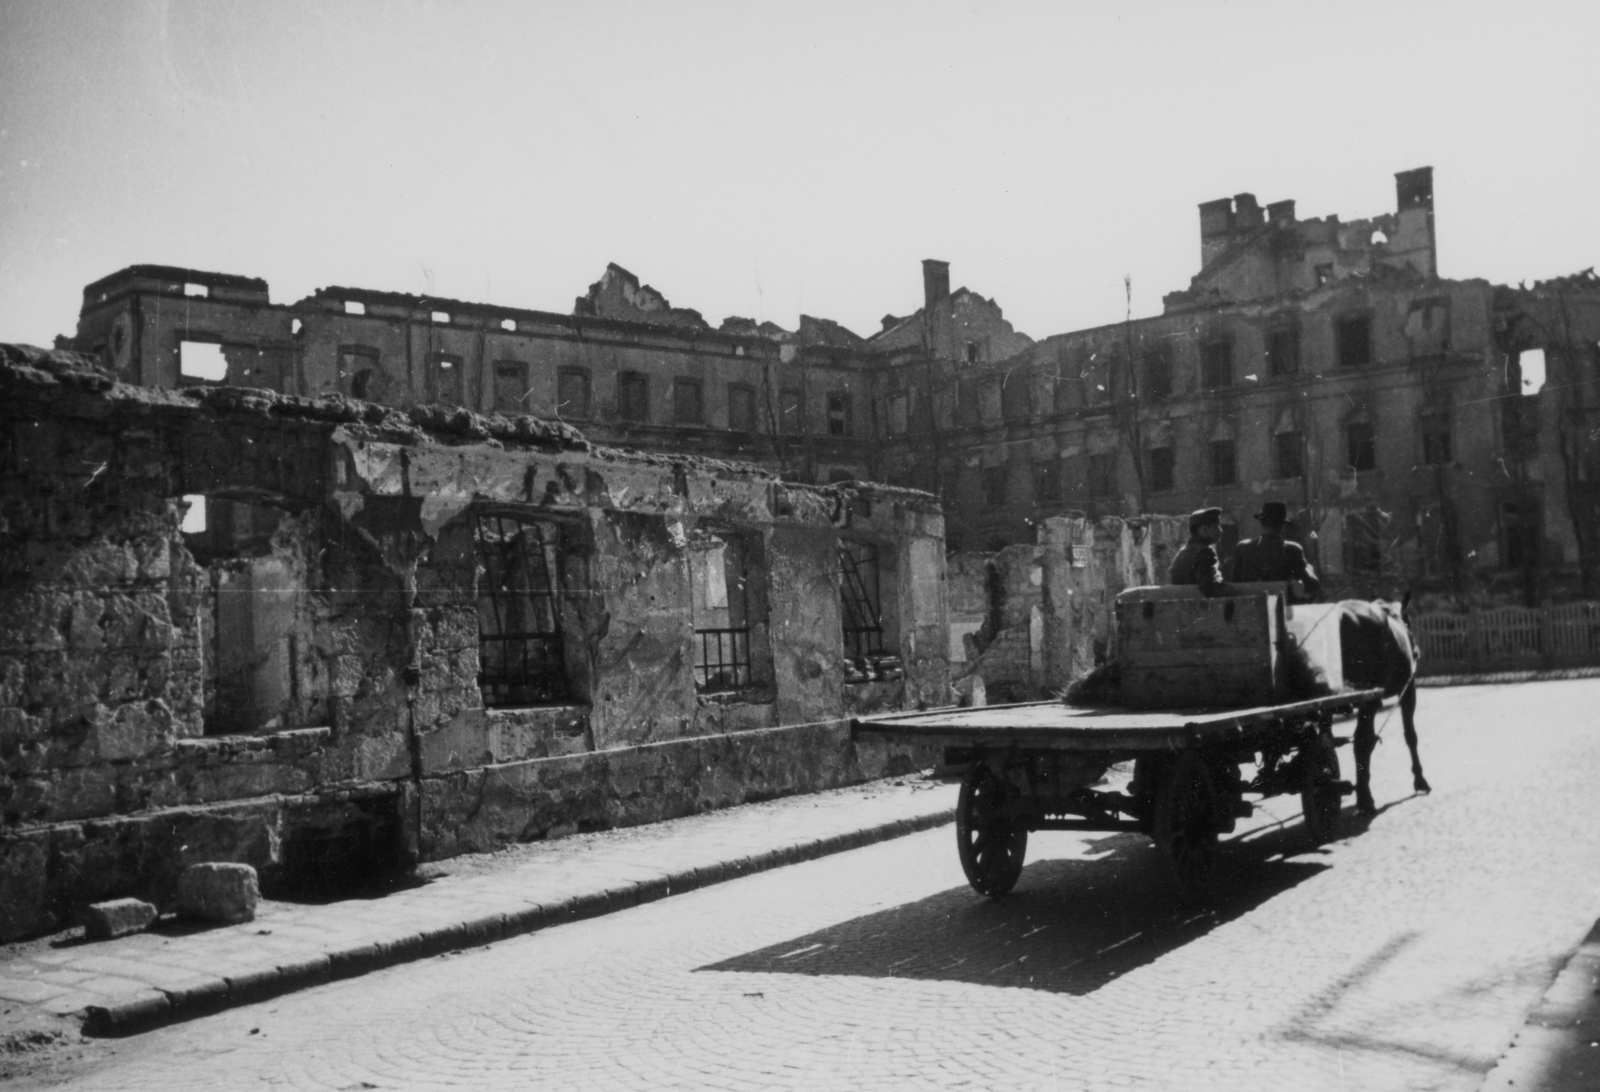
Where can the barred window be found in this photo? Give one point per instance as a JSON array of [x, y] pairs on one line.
[[861, 599], [720, 571], [520, 656]]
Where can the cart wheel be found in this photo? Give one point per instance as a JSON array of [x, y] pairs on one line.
[[1186, 826], [991, 846], [1320, 798]]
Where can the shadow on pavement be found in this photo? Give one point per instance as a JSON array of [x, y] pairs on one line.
[[1069, 926]]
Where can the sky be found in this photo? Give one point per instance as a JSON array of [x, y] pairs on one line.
[[769, 160]]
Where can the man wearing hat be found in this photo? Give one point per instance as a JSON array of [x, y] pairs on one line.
[[1271, 556], [1197, 562]]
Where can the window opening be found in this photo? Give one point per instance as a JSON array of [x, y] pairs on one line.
[[1521, 534], [194, 515], [353, 307], [1162, 469], [509, 325], [1354, 337], [572, 393], [792, 408], [202, 360], [1363, 541], [520, 656], [1531, 364], [441, 317], [899, 413], [741, 408], [1290, 463], [199, 291], [1324, 274], [972, 352], [445, 372], [1283, 352], [633, 397], [1216, 363], [1047, 481], [687, 404], [1224, 464], [994, 486], [1362, 446], [1158, 376], [1436, 445], [510, 386], [1101, 478], [838, 414], [861, 599], [720, 570]]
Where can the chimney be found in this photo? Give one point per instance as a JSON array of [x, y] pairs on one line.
[[1246, 213], [935, 281], [1414, 189], [1281, 212]]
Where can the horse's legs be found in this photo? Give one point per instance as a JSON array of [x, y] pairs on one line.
[[1408, 710], [1366, 739]]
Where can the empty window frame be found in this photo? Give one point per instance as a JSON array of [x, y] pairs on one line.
[[1437, 448], [1158, 375], [1047, 481], [1163, 469], [897, 413], [1521, 534], [572, 394], [792, 410], [996, 480], [723, 604], [1016, 395], [969, 402], [201, 362], [1361, 446], [741, 407], [1353, 338], [839, 413], [633, 397], [1288, 453], [1224, 463], [1102, 475], [1363, 541], [1283, 350], [1216, 363], [445, 379], [688, 402], [510, 386], [521, 660], [861, 599], [359, 376]]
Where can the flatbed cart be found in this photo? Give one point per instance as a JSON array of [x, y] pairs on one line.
[[1035, 766]]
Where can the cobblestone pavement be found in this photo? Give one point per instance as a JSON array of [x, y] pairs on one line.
[[1406, 955]]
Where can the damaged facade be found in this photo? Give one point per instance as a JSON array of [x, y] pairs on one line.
[[321, 635]]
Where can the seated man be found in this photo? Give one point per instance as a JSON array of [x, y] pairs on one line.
[[1271, 556], [1197, 562]]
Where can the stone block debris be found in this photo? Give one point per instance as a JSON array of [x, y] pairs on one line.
[[118, 918], [220, 892]]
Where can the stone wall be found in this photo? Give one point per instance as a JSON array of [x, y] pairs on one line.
[[297, 683]]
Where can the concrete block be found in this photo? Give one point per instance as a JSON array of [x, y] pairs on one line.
[[221, 892], [117, 918]]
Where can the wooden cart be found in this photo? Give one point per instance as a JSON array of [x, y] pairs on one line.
[[1036, 767]]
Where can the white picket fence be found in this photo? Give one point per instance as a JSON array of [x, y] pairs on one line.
[[1509, 639]]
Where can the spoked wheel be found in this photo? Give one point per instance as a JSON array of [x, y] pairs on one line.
[[1320, 798], [992, 846], [1186, 826]]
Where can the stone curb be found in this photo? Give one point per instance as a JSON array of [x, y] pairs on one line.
[[1495, 677], [153, 1008]]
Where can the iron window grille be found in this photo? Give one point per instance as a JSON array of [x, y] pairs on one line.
[[860, 597], [721, 605], [520, 655]]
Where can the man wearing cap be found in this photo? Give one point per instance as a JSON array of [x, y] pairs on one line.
[[1197, 562], [1273, 557]]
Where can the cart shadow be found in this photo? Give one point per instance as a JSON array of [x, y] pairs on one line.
[[1069, 926]]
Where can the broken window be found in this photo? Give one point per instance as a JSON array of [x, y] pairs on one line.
[[1436, 444], [1047, 481], [972, 352], [1363, 541], [1216, 363], [1289, 452], [201, 362], [1224, 463], [1361, 446], [727, 603], [1157, 375], [1163, 466], [445, 384], [521, 660], [1353, 335], [688, 402], [741, 407], [572, 394], [633, 397], [861, 597], [1283, 351], [510, 386], [1530, 366], [839, 413], [359, 376], [1102, 478], [995, 483], [792, 408]]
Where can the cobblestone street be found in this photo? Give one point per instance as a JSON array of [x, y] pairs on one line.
[[1405, 955]]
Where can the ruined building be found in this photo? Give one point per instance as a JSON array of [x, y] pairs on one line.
[[325, 636]]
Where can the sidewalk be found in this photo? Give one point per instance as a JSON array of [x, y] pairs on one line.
[[1558, 1049], [156, 978]]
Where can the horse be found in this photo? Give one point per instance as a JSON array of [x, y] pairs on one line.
[[1379, 652]]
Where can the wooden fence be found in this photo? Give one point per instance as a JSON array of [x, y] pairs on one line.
[[1509, 639]]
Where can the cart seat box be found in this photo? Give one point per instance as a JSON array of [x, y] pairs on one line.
[[1178, 649]]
